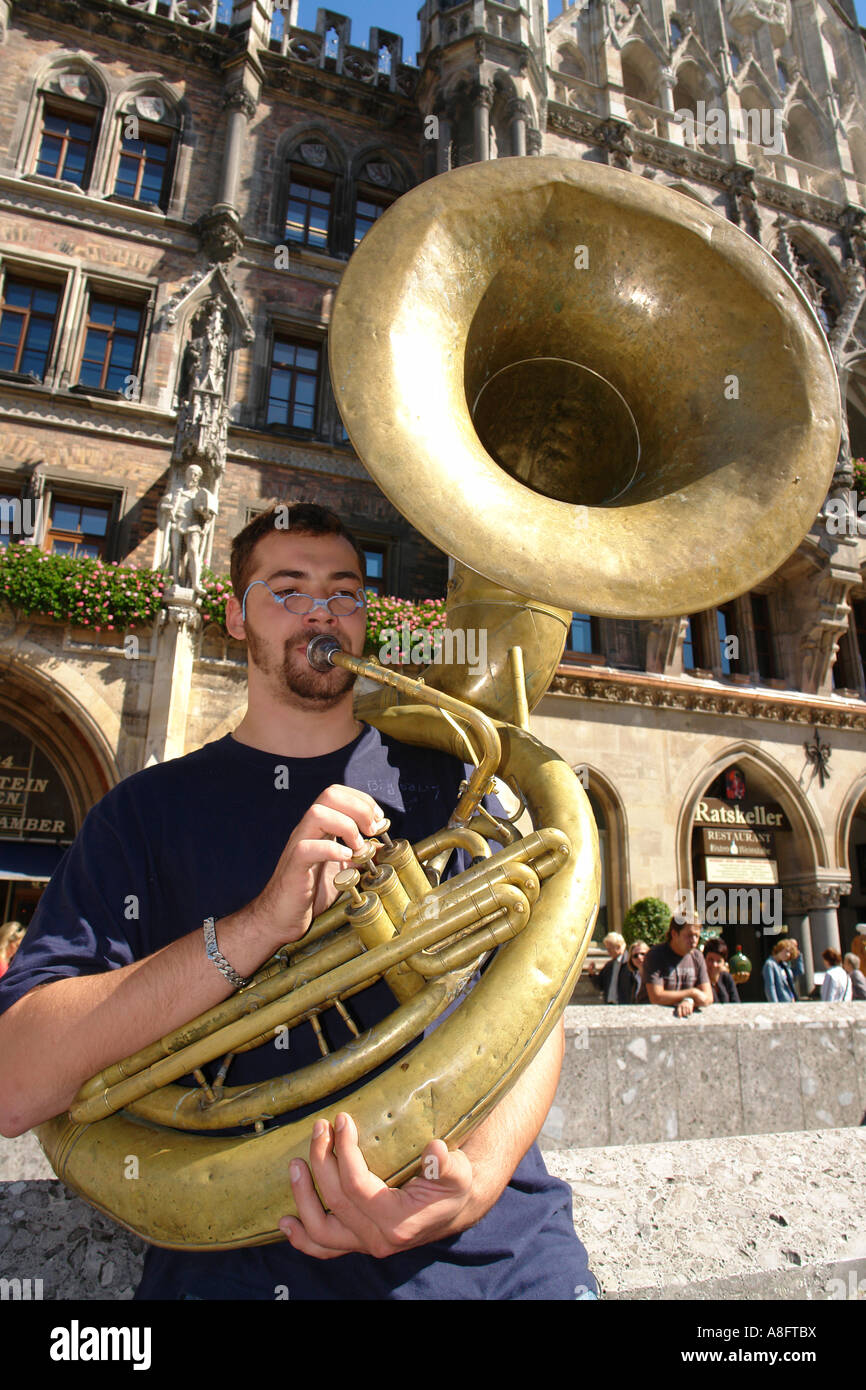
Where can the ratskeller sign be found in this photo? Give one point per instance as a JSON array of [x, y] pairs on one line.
[[712, 811]]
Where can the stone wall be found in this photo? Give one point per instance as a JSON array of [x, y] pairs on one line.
[[639, 1075]]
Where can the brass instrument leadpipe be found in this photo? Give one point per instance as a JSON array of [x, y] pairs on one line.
[[324, 651]]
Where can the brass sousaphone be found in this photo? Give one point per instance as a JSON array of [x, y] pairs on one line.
[[585, 387]]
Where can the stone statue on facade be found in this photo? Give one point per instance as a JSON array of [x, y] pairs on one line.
[[202, 421], [186, 515], [748, 15]]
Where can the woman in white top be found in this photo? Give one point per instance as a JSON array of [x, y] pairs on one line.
[[836, 985]]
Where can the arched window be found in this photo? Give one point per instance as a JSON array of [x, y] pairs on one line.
[[639, 74], [376, 183], [816, 282], [65, 126], [802, 138], [142, 164], [570, 62], [310, 212]]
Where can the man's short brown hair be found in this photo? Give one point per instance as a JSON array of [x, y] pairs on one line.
[[675, 925], [304, 519]]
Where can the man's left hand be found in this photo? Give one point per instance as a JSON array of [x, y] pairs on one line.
[[363, 1214]]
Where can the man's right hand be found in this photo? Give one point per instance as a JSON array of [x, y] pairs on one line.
[[322, 843]]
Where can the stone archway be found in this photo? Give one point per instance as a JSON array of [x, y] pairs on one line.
[[805, 876], [851, 853], [610, 817], [54, 765], [62, 720]]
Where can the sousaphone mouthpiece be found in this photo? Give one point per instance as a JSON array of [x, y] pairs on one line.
[[319, 651]]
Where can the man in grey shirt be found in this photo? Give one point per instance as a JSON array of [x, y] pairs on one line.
[[675, 973]]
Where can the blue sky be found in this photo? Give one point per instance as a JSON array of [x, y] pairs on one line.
[[400, 16]]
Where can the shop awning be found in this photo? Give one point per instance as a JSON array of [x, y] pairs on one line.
[[18, 859]]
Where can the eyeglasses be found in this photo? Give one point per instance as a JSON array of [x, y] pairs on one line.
[[338, 605]]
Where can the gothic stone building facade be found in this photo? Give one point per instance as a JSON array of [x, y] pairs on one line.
[[180, 188]]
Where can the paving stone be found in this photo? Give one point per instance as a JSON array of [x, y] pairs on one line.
[[715, 1205]]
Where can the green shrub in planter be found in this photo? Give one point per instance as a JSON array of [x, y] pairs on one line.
[[647, 920]]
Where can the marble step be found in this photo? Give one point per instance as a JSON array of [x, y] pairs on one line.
[[769, 1216]]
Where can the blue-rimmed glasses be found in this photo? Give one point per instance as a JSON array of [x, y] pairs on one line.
[[338, 605]]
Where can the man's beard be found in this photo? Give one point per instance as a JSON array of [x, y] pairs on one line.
[[294, 676]]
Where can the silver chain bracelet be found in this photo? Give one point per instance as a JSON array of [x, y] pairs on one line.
[[219, 960]]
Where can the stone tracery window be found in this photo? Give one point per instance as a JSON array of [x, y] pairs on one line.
[[816, 283], [308, 205], [308, 211], [124, 147], [368, 209], [143, 162], [66, 127], [66, 145]]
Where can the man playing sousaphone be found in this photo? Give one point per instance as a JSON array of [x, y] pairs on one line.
[[245, 836]]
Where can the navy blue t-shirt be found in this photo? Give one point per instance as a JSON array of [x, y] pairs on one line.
[[200, 836]]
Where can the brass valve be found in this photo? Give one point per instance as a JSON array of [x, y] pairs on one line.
[[348, 879]]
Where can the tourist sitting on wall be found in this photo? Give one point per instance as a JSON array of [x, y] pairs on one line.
[[780, 971], [675, 973], [631, 976], [836, 985], [607, 978], [858, 979], [721, 980]]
